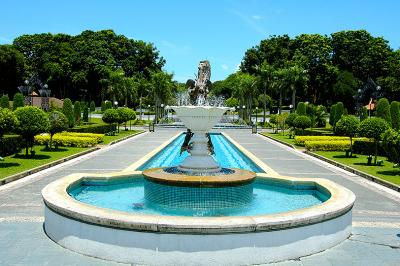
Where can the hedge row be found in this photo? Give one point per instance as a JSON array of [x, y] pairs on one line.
[[70, 139], [99, 129], [300, 140], [314, 132], [10, 144], [327, 145]]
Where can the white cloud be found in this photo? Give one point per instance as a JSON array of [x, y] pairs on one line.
[[251, 22], [224, 67], [256, 17]]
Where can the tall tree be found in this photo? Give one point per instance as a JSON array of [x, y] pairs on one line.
[[11, 69]]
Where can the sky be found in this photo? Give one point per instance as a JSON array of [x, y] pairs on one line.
[[186, 32]]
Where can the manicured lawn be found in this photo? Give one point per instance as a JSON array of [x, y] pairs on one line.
[[122, 133], [281, 137], [14, 164], [359, 162]]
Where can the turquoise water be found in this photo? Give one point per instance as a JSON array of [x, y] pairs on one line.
[[130, 197], [226, 154]]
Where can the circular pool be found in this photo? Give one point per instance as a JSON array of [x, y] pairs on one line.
[[110, 217]]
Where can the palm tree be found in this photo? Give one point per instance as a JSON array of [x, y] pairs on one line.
[[162, 88], [296, 77], [266, 73]]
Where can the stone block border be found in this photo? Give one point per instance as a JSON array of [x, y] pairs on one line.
[[357, 172]]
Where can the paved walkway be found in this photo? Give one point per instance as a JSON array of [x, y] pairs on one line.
[[376, 232]]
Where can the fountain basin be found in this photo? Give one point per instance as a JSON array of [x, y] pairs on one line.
[[150, 239]]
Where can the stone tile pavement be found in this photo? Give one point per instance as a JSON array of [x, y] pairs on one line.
[[376, 216]]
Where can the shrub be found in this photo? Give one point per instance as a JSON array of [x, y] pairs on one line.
[[395, 114], [32, 121], [290, 119], [373, 127], [108, 105], [4, 102], [96, 128], [10, 144], [125, 114], [383, 110], [327, 145], [348, 126], [18, 100], [8, 121], [68, 111], [85, 117], [110, 116], [92, 106], [301, 109], [320, 116], [302, 122], [77, 112], [364, 113], [67, 139], [58, 123], [273, 121], [103, 106], [391, 144], [281, 121], [300, 140]]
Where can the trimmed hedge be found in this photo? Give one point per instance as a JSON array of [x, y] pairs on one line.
[[300, 140], [366, 147], [10, 144], [97, 128], [327, 145], [68, 139]]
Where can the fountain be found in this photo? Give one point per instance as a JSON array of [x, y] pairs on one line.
[[197, 211]]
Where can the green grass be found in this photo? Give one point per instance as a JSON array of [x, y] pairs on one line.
[[122, 133], [14, 164], [359, 162], [281, 137]]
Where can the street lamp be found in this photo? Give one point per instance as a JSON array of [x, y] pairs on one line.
[[162, 110], [115, 104], [148, 112], [256, 114], [291, 108], [243, 111]]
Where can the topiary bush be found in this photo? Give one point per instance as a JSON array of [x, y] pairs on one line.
[[125, 114], [383, 110], [58, 122], [77, 112], [8, 121], [111, 116], [290, 119], [327, 145], [395, 114], [68, 111], [4, 102], [348, 126], [92, 106], [18, 101], [108, 105], [96, 128], [302, 122], [301, 109], [373, 128], [32, 121], [85, 116], [391, 145], [273, 121]]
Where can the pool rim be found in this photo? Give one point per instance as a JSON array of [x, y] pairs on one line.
[[56, 198]]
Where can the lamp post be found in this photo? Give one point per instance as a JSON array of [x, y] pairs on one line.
[[148, 112], [256, 114], [115, 104], [243, 112], [162, 111]]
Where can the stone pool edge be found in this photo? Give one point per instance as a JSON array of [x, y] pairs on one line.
[[57, 199]]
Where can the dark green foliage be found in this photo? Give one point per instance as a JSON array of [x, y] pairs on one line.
[[32, 121], [332, 115], [302, 122], [4, 102], [85, 116], [339, 111], [8, 121], [110, 116], [290, 119], [77, 112], [364, 113], [103, 106], [395, 114], [383, 110], [301, 109], [391, 144], [18, 101], [320, 116], [68, 111], [373, 127], [96, 128], [108, 105], [348, 126], [11, 69], [92, 106], [58, 123], [10, 144]]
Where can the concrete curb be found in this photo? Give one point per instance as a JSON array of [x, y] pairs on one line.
[[45, 166], [125, 138], [357, 172], [54, 163], [277, 140]]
